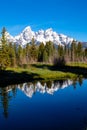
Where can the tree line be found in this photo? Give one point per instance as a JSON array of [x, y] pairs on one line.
[[12, 55]]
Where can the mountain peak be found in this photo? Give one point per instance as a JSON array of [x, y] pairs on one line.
[[40, 36], [27, 29], [49, 30]]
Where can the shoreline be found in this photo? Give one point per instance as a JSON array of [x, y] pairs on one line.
[[40, 72]]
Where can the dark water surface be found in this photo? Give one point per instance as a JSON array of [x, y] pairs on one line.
[[52, 105]]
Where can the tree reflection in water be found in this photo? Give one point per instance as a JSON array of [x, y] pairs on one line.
[[29, 89], [6, 95]]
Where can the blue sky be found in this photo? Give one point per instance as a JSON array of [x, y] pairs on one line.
[[64, 16]]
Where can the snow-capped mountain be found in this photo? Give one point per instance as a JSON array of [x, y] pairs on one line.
[[41, 36]]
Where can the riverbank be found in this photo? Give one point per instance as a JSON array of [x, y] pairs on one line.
[[40, 72]]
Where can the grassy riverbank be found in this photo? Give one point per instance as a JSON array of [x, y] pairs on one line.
[[77, 64], [42, 72]]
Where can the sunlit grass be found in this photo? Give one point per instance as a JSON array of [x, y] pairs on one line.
[[43, 72], [77, 64]]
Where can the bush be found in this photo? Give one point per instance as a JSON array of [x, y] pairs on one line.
[[59, 62]]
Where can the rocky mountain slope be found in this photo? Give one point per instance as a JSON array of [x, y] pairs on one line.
[[41, 36]]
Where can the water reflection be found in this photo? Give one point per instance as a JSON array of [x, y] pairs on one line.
[[6, 95], [44, 87], [48, 87], [29, 89]]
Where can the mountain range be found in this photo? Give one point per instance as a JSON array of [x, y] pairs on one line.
[[41, 36]]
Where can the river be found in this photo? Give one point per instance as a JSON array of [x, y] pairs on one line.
[[44, 105]]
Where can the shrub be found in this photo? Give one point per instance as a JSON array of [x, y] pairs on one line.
[[59, 62]]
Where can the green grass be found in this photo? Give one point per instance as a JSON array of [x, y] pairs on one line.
[[43, 72], [78, 64]]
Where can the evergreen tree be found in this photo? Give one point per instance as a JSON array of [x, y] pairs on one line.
[[12, 55], [66, 53], [3, 39], [45, 56], [15, 51], [73, 51], [33, 51], [85, 51], [27, 51], [19, 55], [85, 54], [4, 51], [60, 51], [49, 48], [79, 51], [24, 57], [41, 52]]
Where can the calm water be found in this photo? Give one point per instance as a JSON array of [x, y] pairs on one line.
[[53, 105]]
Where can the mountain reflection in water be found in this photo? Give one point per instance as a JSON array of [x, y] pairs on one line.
[[44, 87], [30, 88], [49, 87], [13, 102]]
